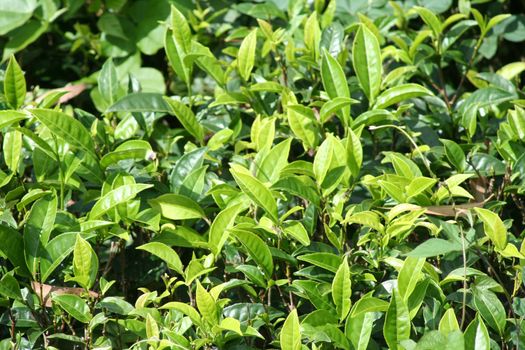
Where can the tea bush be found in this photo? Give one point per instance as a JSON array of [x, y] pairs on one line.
[[287, 175]]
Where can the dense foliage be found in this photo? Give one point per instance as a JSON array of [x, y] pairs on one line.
[[292, 174]]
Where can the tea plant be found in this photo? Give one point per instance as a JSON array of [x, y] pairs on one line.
[[236, 175]]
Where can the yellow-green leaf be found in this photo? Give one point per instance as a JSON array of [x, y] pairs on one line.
[[341, 290], [367, 62], [493, 226], [85, 263], [207, 305], [255, 189], [177, 207], [246, 56], [186, 117], [290, 336], [14, 84]]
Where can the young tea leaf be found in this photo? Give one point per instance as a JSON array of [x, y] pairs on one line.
[[341, 290], [256, 190], [367, 62], [246, 57], [14, 84], [85, 263], [397, 322], [493, 226], [290, 337]]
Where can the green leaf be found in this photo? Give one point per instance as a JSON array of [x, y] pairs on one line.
[[419, 185], [409, 275], [256, 190], [333, 106], [397, 322], [323, 159], [448, 322], [493, 227], [12, 149], [333, 76], [296, 230], [15, 13], [354, 153], [55, 252], [193, 184], [301, 186], [74, 305], [290, 337], [253, 274], [256, 248], [181, 30], [177, 207], [477, 335], [267, 86], [13, 247], [494, 21], [430, 19], [367, 218], [38, 230], [335, 84], [400, 93], [454, 154], [67, 128], [341, 290], [312, 36], [328, 261], [115, 197], [24, 35], [186, 117], [44, 146], [165, 253], [231, 324], [434, 247], [436, 339], [451, 184], [14, 83], [132, 149], [208, 63], [108, 84], [10, 117], [511, 70], [207, 305], [417, 296], [186, 309], [219, 139], [189, 162], [262, 133], [246, 56], [516, 120], [374, 116], [403, 165], [152, 329], [116, 305], [219, 228], [176, 54], [359, 328], [141, 102], [366, 55], [271, 165], [368, 304], [85, 263], [491, 309], [304, 126], [9, 287]]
